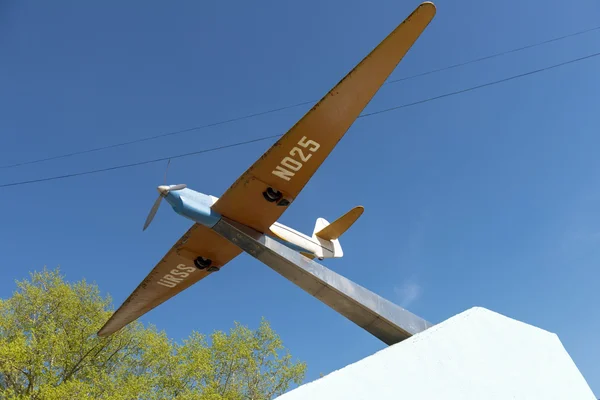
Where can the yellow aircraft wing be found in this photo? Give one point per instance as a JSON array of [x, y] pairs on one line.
[[173, 274], [259, 197], [283, 171]]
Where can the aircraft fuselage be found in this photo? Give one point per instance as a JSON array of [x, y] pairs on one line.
[[197, 207]]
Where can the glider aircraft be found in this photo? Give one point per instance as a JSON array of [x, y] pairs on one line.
[[263, 192]]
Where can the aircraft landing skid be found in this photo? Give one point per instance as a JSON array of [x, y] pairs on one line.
[[385, 320]]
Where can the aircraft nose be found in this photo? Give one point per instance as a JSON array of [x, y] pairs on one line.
[[163, 189]]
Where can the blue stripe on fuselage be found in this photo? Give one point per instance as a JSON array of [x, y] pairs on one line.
[[193, 205]]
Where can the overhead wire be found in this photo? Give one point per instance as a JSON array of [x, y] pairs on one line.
[[503, 53], [274, 110], [135, 164], [510, 78], [472, 88]]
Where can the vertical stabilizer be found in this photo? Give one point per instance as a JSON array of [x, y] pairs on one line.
[[327, 248]]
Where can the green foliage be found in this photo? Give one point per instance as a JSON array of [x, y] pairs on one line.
[[49, 350]]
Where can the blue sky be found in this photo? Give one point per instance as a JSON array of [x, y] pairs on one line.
[[488, 198]]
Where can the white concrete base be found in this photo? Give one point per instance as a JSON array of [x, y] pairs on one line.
[[475, 355]]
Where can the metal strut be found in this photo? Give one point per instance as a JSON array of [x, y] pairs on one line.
[[385, 320]]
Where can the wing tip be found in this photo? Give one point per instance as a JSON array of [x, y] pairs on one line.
[[104, 331], [102, 334], [428, 5]]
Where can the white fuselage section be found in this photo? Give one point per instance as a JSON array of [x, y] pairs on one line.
[[314, 245]]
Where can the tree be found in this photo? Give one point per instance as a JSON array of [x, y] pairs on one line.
[[49, 350]]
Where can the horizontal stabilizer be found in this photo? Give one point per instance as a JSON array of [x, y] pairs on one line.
[[340, 225]]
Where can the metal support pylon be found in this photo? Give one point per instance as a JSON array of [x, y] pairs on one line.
[[378, 316]]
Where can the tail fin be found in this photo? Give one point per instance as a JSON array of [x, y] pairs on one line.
[[339, 226], [328, 234]]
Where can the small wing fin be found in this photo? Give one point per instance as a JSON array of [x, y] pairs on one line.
[[290, 163], [173, 274], [339, 226]]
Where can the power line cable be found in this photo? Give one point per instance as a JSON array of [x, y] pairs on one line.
[[510, 78], [95, 171], [253, 115], [472, 88], [476, 60], [75, 153]]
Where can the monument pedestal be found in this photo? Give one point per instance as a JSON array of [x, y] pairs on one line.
[[475, 355]]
